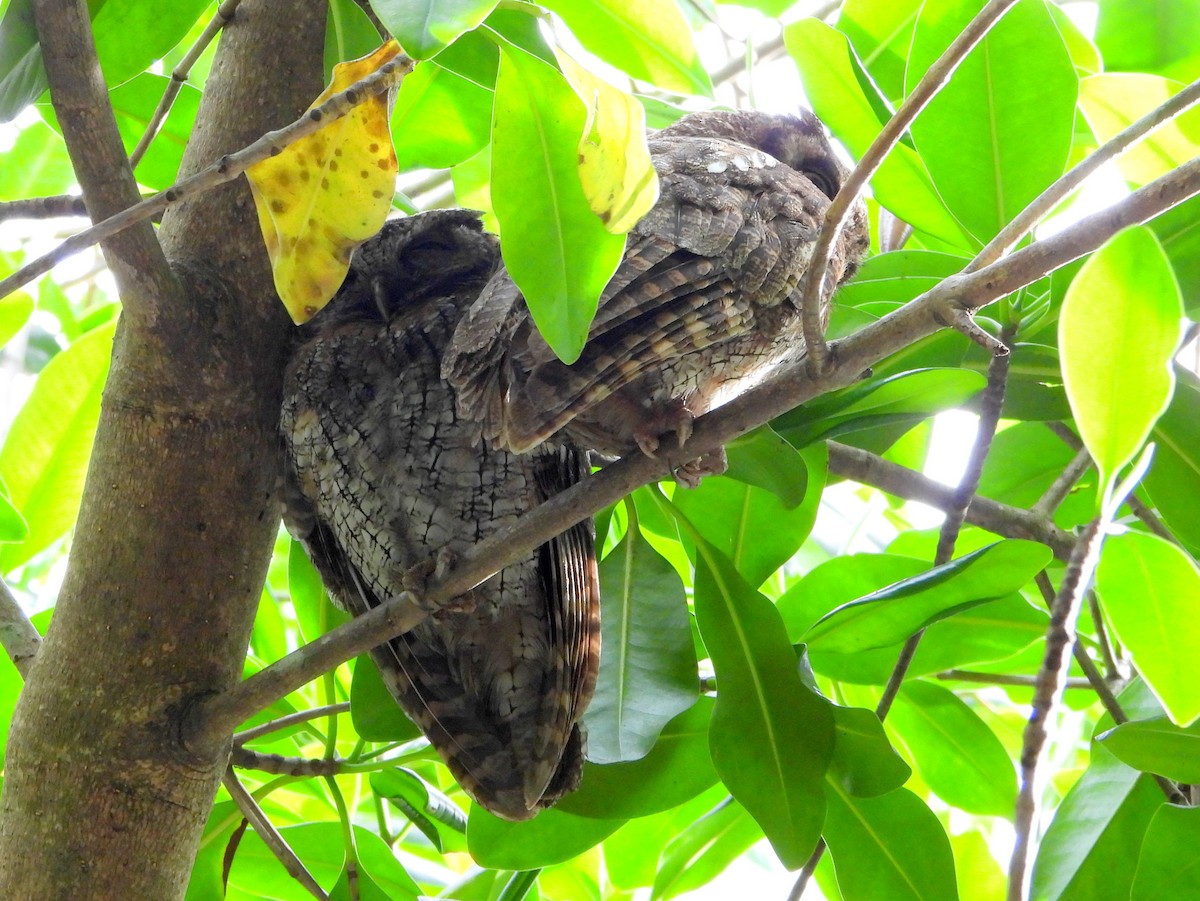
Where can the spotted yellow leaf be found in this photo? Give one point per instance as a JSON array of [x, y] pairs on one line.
[[614, 163], [326, 193]]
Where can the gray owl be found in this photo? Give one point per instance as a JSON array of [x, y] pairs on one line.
[[704, 305], [383, 475]]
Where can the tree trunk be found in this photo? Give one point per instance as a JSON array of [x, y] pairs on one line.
[[100, 799]]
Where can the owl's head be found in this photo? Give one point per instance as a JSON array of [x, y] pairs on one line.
[[413, 260], [798, 141]]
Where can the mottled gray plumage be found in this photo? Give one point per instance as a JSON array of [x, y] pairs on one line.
[[384, 476], [704, 305]]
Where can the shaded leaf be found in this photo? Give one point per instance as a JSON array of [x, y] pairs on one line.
[[1169, 865], [553, 836], [704, 849], [765, 460], [1157, 746], [1118, 329], [1173, 481], [648, 669], [375, 713], [349, 34], [1148, 588], [325, 194], [864, 761], [555, 248]]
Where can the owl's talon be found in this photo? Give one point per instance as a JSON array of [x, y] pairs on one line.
[[692, 473]]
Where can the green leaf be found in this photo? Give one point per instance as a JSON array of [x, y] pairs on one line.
[[1135, 37], [15, 310], [375, 713], [1173, 481], [1176, 230], [765, 460], [552, 837], [423, 27], [1118, 330], [1085, 853], [1148, 588], [1157, 746], [315, 613], [771, 738], [838, 89], [648, 668], [881, 32], [45, 454], [22, 74], [258, 872], [12, 524], [896, 612], [676, 770], [1114, 101], [908, 397], [954, 751], [376, 859], [649, 39], [349, 34], [751, 527], [1169, 865], [37, 165], [889, 847], [441, 118], [704, 849], [134, 103], [132, 34], [556, 249], [1000, 130], [864, 762]]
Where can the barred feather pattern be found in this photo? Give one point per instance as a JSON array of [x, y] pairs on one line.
[[704, 305], [383, 475]]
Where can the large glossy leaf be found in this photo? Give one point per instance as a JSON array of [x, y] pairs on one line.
[[1157, 746], [45, 454], [440, 117], [134, 103], [1136, 37], [1169, 865], [648, 39], [953, 750], [752, 527], [889, 847], [556, 249], [1173, 481], [553, 836], [648, 667], [423, 27], [677, 769], [894, 613], [22, 74], [36, 165], [1149, 588], [1118, 330], [999, 132], [704, 849], [849, 105], [15, 310], [256, 870], [864, 762], [772, 737], [880, 32], [1025, 460], [375, 713], [349, 34]]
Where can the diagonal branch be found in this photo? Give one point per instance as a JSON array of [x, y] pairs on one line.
[[933, 81]]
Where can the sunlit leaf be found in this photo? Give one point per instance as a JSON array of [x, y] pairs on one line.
[[1000, 130], [423, 27], [36, 165], [618, 180], [349, 34], [319, 846], [553, 836], [1149, 588], [864, 762], [327, 193], [1158, 38], [881, 32], [1173, 481], [45, 454], [556, 249], [1118, 329], [648, 39], [703, 849], [1157, 746], [15, 311]]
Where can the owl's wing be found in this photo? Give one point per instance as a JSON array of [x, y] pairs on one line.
[[729, 237]]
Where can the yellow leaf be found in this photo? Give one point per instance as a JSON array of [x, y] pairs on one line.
[[326, 193], [614, 163]]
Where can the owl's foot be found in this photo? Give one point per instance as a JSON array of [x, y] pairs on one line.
[[673, 416], [416, 579], [692, 473]]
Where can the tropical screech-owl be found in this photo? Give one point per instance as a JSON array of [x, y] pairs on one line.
[[704, 305], [383, 475]]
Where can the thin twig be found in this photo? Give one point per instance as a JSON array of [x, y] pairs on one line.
[[21, 640], [1060, 638], [270, 835], [1025, 221], [278, 765], [213, 718], [1106, 651], [292, 719], [54, 207], [962, 675], [179, 75], [933, 81], [223, 170], [1067, 479]]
